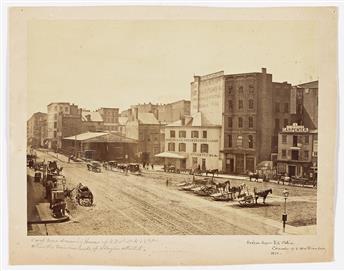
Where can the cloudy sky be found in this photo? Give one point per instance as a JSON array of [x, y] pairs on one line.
[[104, 63]]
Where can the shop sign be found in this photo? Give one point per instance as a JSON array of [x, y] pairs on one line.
[[294, 128]]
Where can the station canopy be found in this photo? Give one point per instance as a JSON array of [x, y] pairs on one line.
[[173, 155], [101, 137]]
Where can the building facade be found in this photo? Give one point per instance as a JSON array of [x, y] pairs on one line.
[[310, 92], [164, 113], [145, 128], [297, 151], [245, 106], [91, 121], [191, 145], [110, 118], [37, 130], [63, 119], [168, 113], [101, 146]]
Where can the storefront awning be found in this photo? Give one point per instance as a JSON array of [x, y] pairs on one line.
[[171, 155]]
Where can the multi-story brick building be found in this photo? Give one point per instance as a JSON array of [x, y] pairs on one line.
[[287, 109], [145, 128], [297, 151], [191, 144], [63, 119], [37, 129], [244, 106], [110, 118]]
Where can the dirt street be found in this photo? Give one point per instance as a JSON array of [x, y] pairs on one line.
[[142, 205]]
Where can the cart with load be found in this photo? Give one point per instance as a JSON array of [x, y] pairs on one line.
[[134, 168], [84, 195], [94, 166], [222, 196], [247, 200]]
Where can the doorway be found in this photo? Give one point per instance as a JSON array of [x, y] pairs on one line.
[[203, 164], [292, 171]]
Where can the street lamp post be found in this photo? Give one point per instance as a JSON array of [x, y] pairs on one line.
[[284, 216]]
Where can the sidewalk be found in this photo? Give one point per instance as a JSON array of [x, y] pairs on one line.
[[38, 208], [45, 214]]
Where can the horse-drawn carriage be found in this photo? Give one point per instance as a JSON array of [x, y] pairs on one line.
[[94, 166], [134, 168], [171, 169], [84, 195], [256, 176], [109, 165], [195, 184], [252, 199], [226, 192], [40, 166], [205, 190], [53, 168]]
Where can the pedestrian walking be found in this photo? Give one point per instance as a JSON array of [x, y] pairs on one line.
[[167, 182], [152, 166]]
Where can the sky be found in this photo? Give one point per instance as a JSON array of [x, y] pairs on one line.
[[105, 63]]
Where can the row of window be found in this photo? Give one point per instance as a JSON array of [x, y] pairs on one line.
[[240, 122], [183, 134], [294, 154], [300, 139], [239, 141], [240, 89], [61, 108], [240, 104], [182, 147]]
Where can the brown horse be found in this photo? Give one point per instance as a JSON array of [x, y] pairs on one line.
[[262, 194], [237, 189], [222, 187]]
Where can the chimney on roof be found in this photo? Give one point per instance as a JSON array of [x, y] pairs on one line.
[[134, 113], [263, 70]]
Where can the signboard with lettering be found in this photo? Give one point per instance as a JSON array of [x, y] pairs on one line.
[[294, 128], [205, 155]]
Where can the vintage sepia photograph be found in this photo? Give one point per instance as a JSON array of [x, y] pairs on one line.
[[172, 135], [172, 127]]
